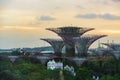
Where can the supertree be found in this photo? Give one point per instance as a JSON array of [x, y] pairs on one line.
[[57, 45], [67, 33], [84, 42]]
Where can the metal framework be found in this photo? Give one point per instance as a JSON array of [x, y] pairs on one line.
[[43, 59], [112, 46], [115, 49], [96, 52], [77, 60], [67, 33], [57, 45], [116, 54], [84, 42], [70, 30]]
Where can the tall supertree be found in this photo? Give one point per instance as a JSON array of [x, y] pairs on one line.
[[67, 33], [57, 45], [84, 42]]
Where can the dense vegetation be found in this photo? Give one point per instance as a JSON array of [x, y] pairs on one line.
[[31, 69]]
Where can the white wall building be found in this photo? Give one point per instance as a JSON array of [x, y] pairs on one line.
[[54, 65]]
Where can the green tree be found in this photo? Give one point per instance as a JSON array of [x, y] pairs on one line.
[[83, 74], [108, 77]]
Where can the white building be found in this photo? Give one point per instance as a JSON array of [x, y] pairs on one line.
[[54, 65]]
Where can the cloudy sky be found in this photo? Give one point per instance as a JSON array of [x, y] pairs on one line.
[[23, 22]]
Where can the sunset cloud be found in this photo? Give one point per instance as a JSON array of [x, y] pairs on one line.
[[106, 16], [46, 18], [109, 16], [87, 16]]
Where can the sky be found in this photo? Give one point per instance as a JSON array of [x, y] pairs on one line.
[[23, 22]]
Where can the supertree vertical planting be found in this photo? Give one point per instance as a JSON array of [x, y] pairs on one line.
[[84, 42], [57, 45], [67, 33]]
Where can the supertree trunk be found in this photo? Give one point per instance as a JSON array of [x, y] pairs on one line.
[[70, 51]]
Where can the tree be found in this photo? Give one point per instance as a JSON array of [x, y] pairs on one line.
[[84, 74]]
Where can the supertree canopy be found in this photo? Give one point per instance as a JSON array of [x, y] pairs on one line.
[[57, 45], [84, 42], [67, 33], [70, 31]]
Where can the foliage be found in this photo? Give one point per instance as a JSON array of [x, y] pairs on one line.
[[68, 75], [108, 77], [84, 74], [27, 68]]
